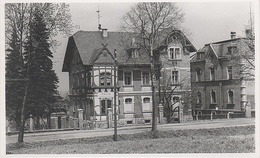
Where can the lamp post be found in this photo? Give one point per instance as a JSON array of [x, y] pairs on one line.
[[115, 119]]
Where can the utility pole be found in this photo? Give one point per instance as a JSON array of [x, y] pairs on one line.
[[115, 118]]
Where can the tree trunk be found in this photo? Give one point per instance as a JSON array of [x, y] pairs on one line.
[[49, 119], [21, 128], [154, 122], [38, 122]]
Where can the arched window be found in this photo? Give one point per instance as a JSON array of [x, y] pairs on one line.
[[230, 97], [146, 100], [147, 106], [129, 105], [199, 100], [229, 72], [213, 96], [128, 101], [175, 99]]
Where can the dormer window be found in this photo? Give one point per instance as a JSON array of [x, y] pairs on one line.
[[200, 55], [135, 53], [231, 50], [174, 53]]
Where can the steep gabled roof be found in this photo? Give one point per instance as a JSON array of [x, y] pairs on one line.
[[89, 44], [163, 37]]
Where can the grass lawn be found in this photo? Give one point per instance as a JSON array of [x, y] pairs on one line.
[[220, 140]]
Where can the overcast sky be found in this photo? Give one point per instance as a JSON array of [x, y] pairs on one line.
[[207, 21]]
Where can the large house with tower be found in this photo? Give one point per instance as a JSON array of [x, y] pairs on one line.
[[90, 63], [222, 78]]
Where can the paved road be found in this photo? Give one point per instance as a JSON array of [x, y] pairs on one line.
[[35, 137]]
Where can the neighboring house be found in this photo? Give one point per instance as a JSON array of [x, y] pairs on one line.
[[221, 80], [89, 60]]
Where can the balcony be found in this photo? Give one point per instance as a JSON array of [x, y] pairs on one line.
[[213, 106], [198, 106], [230, 106]]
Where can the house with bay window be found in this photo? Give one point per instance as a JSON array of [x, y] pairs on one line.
[[90, 63], [222, 81]]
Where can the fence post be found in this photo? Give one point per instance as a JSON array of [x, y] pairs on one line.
[[80, 119], [161, 113], [31, 123], [197, 117], [110, 117]]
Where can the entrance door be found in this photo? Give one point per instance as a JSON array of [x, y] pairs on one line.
[[59, 122], [105, 104]]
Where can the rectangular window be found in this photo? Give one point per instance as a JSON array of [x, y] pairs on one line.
[[105, 104], [105, 79], [198, 74], [88, 79], [174, 53], [229, 72], [146, 78], [128, 77], [199, 55], [175, 77]]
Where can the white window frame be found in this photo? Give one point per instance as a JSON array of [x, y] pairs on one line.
[[130, 77], [178, 76], [126, 110], [145, 105], [173, 55], [106, 77], [143, 78]]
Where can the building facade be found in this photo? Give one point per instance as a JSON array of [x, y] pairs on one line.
[[94, 74], [221, 79]]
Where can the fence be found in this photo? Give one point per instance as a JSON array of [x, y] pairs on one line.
[[218, 116]]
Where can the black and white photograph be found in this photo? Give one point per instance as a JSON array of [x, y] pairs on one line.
[[130, 78]]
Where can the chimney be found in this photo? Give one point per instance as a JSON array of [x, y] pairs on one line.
[[104, 32], [233, 35], [99, 27]]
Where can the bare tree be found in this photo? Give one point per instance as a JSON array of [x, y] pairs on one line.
[[149, 22]]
